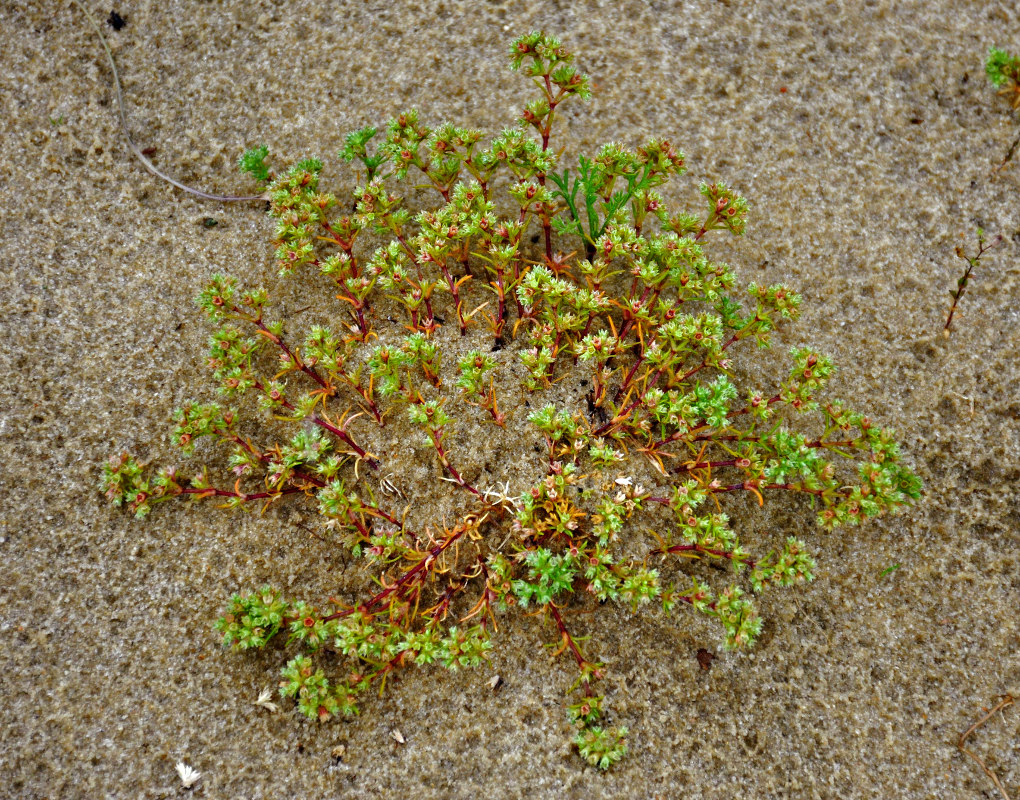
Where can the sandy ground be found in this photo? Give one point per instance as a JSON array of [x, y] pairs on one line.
[[863, 176]]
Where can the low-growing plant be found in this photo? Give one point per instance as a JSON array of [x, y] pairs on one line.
[[1003, 70], [466, 329]]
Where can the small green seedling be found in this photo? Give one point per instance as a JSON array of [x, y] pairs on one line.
[[973, 262]]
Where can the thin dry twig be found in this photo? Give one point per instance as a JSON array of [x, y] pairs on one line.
[[139, 153], [1008, 157], [1007, 700]]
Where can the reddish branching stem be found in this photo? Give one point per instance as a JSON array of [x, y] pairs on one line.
[[412, 579], [568, 643], [961, 282]]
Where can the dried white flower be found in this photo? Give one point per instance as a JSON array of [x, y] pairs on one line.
[[624, 481], [265, 701], [189, 777], [389, 487], [500, 496], [398, 737]]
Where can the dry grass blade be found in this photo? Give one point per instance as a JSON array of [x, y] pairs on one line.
[[1007, 700]]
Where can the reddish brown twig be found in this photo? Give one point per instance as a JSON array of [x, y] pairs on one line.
[[961, 282], [1007, 700]]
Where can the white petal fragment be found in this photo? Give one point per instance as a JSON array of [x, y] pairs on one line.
[[189, 777], [265, 701]]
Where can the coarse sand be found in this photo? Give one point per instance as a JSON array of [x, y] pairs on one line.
[[865, 137]]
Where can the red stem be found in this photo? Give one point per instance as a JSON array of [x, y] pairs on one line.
[[697, 548], [569, 642], [295, 360], [212, 492], [405, 580], [343, 436]]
